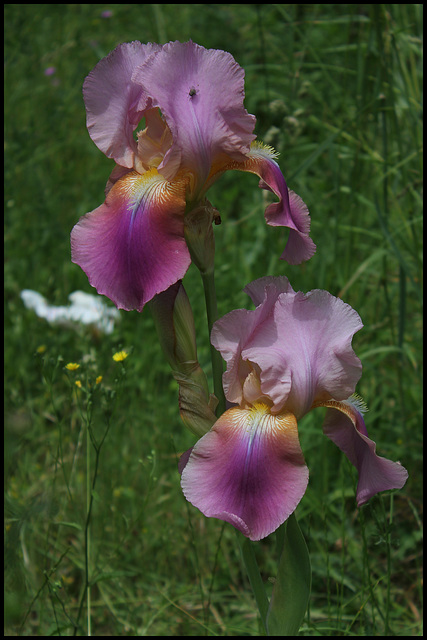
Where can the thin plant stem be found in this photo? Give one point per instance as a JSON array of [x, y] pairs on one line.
[[90, 491], [218, 547], [87, 528], [208, 279]]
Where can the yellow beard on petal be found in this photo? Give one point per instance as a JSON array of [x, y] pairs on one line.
[[258, 422], [134, 187]]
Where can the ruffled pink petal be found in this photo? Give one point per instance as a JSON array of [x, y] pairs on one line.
[[200, 93], [248, 470], [304, 351], [111, 101], [231, 333], [345, 426], [299, 345], [132, 246]]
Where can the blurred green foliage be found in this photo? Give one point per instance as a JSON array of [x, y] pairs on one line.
[[337, 90]]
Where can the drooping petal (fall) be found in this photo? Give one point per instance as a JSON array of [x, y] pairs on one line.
[[344, 425], [247, 470], [111, 99], [290, 211], [132, 246], [200, 93]]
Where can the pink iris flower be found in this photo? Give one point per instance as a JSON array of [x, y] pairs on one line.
[[289, 355], [196, 128]]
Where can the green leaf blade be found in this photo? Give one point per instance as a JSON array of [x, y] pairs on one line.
[[291, 590]]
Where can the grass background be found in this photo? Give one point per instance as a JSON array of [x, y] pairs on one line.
[[337, 91]]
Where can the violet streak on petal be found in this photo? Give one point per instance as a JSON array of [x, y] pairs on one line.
[[247, 470], [132, 246]]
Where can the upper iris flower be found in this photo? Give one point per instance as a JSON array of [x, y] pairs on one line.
[[291, 354], [196, 127]]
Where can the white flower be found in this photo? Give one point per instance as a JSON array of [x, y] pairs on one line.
[[84, 308]]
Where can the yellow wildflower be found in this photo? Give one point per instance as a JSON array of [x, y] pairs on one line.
[[120, 356], [78, 384], [98, 380], [72, 366]]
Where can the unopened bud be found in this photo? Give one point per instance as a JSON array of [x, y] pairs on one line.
[[174, 322]]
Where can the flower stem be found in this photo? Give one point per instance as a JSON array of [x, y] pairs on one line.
[[208, 279], [87, 528]]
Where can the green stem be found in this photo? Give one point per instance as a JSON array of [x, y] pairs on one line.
[[87, 528], [208, 279]]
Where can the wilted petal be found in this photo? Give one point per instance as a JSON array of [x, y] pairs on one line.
[[111, 101], [345, 426], [247, 470], [132, 246], [200, 93]]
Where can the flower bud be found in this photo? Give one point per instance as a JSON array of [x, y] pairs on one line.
[[174, 322]]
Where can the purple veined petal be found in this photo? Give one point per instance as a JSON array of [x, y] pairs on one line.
[[304, 352], [344, 425], [200, 93], [231, 333], [110, 97], [248, 470], [289, 212], [132, 246]]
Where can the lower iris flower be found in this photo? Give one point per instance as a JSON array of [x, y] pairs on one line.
[[191, 101], [289, 355]]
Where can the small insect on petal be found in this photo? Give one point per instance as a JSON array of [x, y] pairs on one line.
[[192, 92]]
